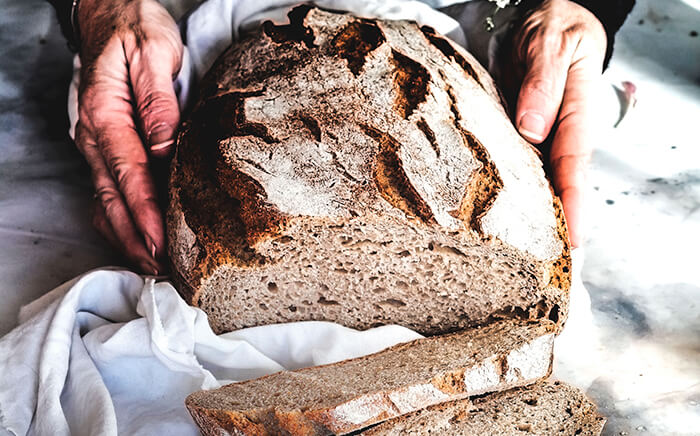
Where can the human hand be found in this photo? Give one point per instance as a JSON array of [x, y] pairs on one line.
[[557, 56], [130, 53]]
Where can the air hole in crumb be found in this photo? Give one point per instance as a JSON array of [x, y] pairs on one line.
[[323, 301], [393, 302], [554, 313], [292, 308], [531, 401], [404, 253], [524, 427], [272, 287]]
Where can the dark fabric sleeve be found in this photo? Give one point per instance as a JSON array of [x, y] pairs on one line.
[[63, 12], [612, 14]]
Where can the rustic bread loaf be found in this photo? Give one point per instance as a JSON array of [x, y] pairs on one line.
[[542, 409], [363, 172], [352, 394]]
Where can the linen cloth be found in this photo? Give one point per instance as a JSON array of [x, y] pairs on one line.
[[113, 353]]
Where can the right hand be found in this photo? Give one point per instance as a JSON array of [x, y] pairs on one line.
[[556, 60], [130, 53]]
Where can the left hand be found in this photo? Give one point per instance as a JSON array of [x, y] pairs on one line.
[[130, 53], [557, 57]]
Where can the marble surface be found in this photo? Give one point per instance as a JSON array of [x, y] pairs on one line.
[[641, 267], [636, 353]]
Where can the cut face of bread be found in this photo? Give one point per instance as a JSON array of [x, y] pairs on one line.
[[542, 409], [352, 394], [363, 172]]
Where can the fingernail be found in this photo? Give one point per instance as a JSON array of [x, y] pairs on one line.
[[162, 145], [532, 126], [150, 245], [148, 268], [160, 136]]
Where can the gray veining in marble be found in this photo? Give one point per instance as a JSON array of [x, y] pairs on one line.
[[636, 353]]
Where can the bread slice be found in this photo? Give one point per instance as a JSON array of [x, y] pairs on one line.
[[363, 172], [352, 394], [544, 409]]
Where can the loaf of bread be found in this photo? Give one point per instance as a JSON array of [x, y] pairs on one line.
[[352, 394], [542, 409], [363, 172]]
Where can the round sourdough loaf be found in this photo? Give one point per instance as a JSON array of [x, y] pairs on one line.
[[363, 172]]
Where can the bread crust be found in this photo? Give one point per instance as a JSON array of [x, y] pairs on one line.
[[361, 119]]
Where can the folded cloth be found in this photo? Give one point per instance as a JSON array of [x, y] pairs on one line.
[[113, 353]]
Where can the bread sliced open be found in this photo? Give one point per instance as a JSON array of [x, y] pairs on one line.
[[353, 394], [542, 409], [362, 172]]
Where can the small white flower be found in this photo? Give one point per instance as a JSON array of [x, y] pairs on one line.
[[501, 3]]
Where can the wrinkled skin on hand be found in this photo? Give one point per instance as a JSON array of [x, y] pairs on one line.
[[130, 53], [557, 57]]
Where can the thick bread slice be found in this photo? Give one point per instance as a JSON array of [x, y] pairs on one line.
[[353, 394], [362, 172], [542, 409]]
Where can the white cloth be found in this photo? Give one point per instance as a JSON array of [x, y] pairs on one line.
[[111, 353]]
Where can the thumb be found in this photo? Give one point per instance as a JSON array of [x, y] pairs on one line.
[[152, 69], [542, 90]]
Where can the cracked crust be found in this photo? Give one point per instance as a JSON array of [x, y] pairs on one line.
[[366, 163]]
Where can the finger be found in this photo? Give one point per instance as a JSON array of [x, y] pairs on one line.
[[547, 61], [569, 176], [107, 111], [101, 223], [153, 64], [572, 144], [114, 220], [128, 165]]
